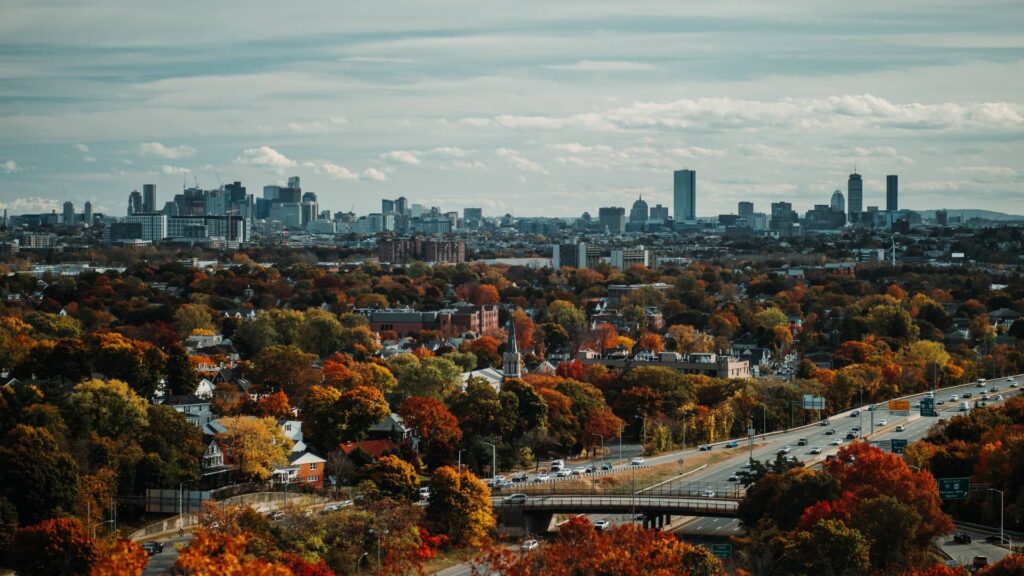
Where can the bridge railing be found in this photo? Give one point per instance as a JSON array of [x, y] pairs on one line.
[[637, 502], [693, 489]]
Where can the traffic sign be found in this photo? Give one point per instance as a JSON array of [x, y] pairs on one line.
[[723, 551], [899, 406], [954, 488], [898, 445], [928, 407]]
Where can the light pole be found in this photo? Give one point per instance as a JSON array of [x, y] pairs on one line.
[[1001, 534], [764, 422], [378, 533], [601, 436], [359, 561], [620, 444], [494, 461], [98, 525], [460, 460]]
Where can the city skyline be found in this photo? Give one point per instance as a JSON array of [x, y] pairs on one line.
[[591, 103]]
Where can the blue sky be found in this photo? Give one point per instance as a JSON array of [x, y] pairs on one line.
[[528, 107]]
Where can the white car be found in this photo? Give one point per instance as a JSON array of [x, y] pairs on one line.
[[564, 473], [637, 461], [954, 398], [815, 450], [901, 428], [1013, 384], [837, 442], [733, 478], [601, 524], [542, 477], [425, 493], [785, 450], [528, 545], [882, 423], [708, 493]]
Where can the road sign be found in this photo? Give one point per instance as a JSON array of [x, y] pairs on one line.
[[928, 407], [898, 445], [896, 406], [750, 432], [954, 488], [722, 550], [813, 402]]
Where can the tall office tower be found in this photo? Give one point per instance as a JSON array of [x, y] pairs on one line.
[[639, 212], [272, 192], [293, 182], [838, 203], [235, 192], [855, 197], [69, 213], [402, 206], [745, 210], [892, 186], [473, 215], [387, 206], [613, 219], [149, 197], [684, 194], [134, 203], [942, 217], [87, 216], [659, 213]]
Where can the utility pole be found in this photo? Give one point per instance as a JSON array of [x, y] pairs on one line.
[[494, 462], [378, 533], [460, 460]]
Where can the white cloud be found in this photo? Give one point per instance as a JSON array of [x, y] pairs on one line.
[[169, 152], [168, 169], [757, 150], [374, 174], [402, 157], [81, 147], [89, 159], [10, 166], [518, 161], [452, 151], [31, 204], [338, 171], [603, 66], [316, 126], [267, 157], [468, 165]]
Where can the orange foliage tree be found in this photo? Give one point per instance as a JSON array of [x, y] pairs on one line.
[[123, 558], [223, 554]]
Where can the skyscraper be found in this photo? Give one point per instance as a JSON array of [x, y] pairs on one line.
[[745, 210], [87, 216], [892, 185], [69, 213], [149, 198], [613, 219], [134, 203], [855, 197], [639, 212], [684, 194], [838, 203], [293, 182]]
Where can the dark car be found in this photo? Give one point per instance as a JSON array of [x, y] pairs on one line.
[[153, 548], [967, 394], [962, 538], [850, 435]]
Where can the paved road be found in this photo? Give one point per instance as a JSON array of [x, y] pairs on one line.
[[161, 563], [965, 553]]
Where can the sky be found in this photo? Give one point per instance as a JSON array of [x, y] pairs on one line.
[[533, 108]]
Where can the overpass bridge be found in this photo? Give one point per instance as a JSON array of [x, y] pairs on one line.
[[657, 507]]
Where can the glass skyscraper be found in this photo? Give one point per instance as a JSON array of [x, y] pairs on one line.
[[684, 195]]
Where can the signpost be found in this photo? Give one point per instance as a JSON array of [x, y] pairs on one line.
[[928, 407], [900, 407], [813, 402], [723, 551], [898, 445], [954, 488]]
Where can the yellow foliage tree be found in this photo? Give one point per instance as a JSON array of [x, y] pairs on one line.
[[256, 445], [123, 558]]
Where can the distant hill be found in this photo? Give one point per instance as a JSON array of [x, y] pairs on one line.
[[968, 214]]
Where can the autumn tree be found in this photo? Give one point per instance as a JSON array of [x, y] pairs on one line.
[[55, 546], [108, 408], [275, 406], [570, 318], [652, 343], [460, 506], [257, 445], [437, 427], [394, 477], [334, 416], [182, 378], [524, 330], [220, 553], [122, 558], [40, 477], [286, 368], [191, 317]]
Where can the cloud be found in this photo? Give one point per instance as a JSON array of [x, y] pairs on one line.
[[603, 66], [338, 171], [32, 204], [81, 147], [844, 114], [518, 161], [757, 150], [402, 157], [169, 152], [266, 157], [168, 169], [452, 151], [316, 126], [89, 159], [374, 174], [10, 166]]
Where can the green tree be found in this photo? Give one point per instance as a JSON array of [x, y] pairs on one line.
[[173, 449], [431, 377], [110, 409], [832, 549], [49, 325], [569, 317], [770, 318], [37, 474], [191, 317], [320, 333], [181, 375], [254, 335]]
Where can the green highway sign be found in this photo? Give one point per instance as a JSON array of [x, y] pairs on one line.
[[899, 445], [722, 550], [954, 488], [928, 407]]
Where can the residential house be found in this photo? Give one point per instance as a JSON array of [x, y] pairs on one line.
[[304, 468], [393, 428], [196, 410]]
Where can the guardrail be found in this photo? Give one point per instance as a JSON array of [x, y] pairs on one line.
[[605, 503]]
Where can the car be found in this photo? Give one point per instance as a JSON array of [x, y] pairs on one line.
[[962, 538], [1013, 385], [733, 478], [637, 461], [563, 473], [336, 506], [954, 398], [708, 493], [784, 450], [579, 471], [851, 435], [601, 525], [994, 388], [560, 463], [607, 466], [917, 404], [153, 547], [528, 545], [425, 493], [815, 450], [704, 447], [855, 413], [514, 499], [981, 382], [824, 422], [881, 423], [993, 539], [940, 402], [732, 444], [967, 394], [901, 428], [801, 442], [277, 516], [830, 431], [836, 442], [748, 464], [980, 561], [520, 477], [999, 398], [542, 477], [984, 395], [855, 429]]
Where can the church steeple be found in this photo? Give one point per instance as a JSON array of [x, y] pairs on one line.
[[512, 360]]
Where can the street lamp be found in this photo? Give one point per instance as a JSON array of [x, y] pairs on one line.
[[460, 460], [378, 533], [1001, 534], [601, 436], [494, 461], [359, 561], [98, 525]]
